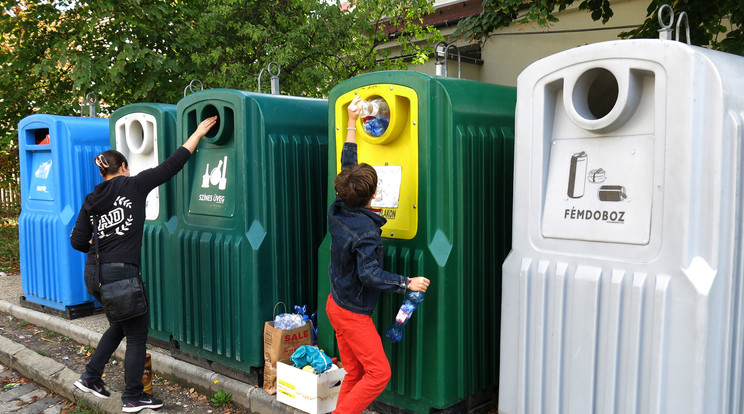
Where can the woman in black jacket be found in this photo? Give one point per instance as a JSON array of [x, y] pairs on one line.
[[119, 204]]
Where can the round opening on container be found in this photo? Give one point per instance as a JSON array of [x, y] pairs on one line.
[[595, 93], [375, 116], [136, 137], [209, 111]]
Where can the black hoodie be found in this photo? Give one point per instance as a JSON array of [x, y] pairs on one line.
[[120, 205]]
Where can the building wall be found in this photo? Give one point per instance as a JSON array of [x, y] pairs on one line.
[[508, 51]]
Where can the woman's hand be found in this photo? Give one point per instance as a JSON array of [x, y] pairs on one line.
[[201, 130], [205, 126]]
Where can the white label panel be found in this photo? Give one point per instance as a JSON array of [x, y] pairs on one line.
[[600, 189]]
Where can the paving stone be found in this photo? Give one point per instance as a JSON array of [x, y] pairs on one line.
[[15, 393], [6, 374], [10, 406], [39, 406], [55, 409], [33, 395]]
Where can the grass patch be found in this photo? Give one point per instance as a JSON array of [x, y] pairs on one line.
[[82, 407], [221, 398], [9, 254]]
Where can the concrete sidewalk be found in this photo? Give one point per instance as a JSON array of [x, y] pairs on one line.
[[58, 378]]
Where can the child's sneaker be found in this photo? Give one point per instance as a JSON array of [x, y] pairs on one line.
[[95, 387], [139, 404]]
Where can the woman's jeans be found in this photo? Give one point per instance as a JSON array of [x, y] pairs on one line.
[[134, 329]]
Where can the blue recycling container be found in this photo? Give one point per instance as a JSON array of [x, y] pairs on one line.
[[57, 171]]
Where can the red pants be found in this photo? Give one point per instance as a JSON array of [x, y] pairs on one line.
[[360, 349]]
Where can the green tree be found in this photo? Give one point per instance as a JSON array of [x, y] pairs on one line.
[[717, 24], [55, 52], [315, 44]]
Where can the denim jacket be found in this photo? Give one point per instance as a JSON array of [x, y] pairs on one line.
[[356, 273]]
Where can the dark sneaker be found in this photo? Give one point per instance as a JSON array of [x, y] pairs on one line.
[[96, 388], [144, 401]]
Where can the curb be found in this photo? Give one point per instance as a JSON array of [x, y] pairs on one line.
[[53, 375], [58, 378]]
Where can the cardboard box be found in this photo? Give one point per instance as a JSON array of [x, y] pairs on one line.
[[311, 393]]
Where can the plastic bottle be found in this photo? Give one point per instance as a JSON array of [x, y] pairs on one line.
[[375, 115], [376, 107], [410, 303], [288, 321], [376, 126], [147, 375]]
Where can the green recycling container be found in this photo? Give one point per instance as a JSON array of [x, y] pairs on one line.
[[444, 164], [146, 134], [251, 216]]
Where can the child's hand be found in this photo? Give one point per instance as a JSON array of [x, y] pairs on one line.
[[418, 284], [354, 108]]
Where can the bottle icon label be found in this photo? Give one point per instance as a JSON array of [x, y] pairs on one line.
[[209, 195], [577, 175]]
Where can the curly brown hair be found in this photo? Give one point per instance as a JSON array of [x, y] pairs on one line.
[[356, 184]]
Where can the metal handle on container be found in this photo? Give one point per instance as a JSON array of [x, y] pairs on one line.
[[665, 33], [274, 78], [441, 64], [687, 27], [192, 87], [90, 99]]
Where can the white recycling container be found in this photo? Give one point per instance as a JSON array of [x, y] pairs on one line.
[[143, 132], [623, 292]]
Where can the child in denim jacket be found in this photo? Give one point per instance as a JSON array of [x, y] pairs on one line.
[[357, 278]]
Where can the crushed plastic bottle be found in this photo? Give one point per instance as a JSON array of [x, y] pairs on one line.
[[410, 304], [376, 107], [375, 115], [376, 126], [288, 321], [302, 310]]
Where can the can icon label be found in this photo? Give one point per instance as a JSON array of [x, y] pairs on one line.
[[612, 193]]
